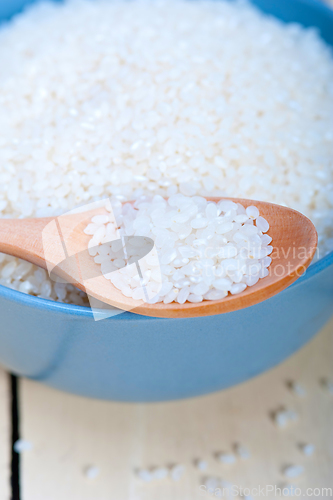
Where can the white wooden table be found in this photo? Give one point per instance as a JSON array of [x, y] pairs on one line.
[[5, 435], [70, 433]]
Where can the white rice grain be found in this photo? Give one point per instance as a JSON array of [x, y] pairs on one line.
[[293, 471], [204, 265], [213, 98]]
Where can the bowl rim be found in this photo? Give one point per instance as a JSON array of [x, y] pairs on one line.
[[85, 312]]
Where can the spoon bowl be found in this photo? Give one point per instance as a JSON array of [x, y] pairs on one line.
[[60, 245]]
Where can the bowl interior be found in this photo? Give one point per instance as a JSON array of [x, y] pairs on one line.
[[309, 13]]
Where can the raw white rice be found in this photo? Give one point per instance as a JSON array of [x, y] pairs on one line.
[[145, 475], [205, 250], [307, 449], [216, 486], [292, 471], [92, 472], [284, 417], [177, 472], [160, 473], [201, 464], [242, 452], [297, 389], [212, 483], [21, 445], [226, 458], [122, 99], [156, 473]]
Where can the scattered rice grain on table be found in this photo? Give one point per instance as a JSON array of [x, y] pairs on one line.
[[307, 449], [92, 472], [145, 475], [22, 445], [284, 417], [177, 471], [297, 389], [201, 464], [226, 458], [293, 471], [242, 452], [160, 473]]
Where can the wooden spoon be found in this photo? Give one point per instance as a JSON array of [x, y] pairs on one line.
[[294, 241]]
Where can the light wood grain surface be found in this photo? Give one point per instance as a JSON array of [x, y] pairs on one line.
[[70, 433], [5, 436]]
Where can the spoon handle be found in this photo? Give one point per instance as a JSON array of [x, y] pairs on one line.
[[23, 238]]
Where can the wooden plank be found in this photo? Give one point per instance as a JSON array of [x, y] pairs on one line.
[[5, 436], [70, 433]]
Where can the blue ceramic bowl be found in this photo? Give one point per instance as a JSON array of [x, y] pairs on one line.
[[136, 358]]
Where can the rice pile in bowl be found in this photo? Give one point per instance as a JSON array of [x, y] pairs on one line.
[[122, 99], [200, 250]]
